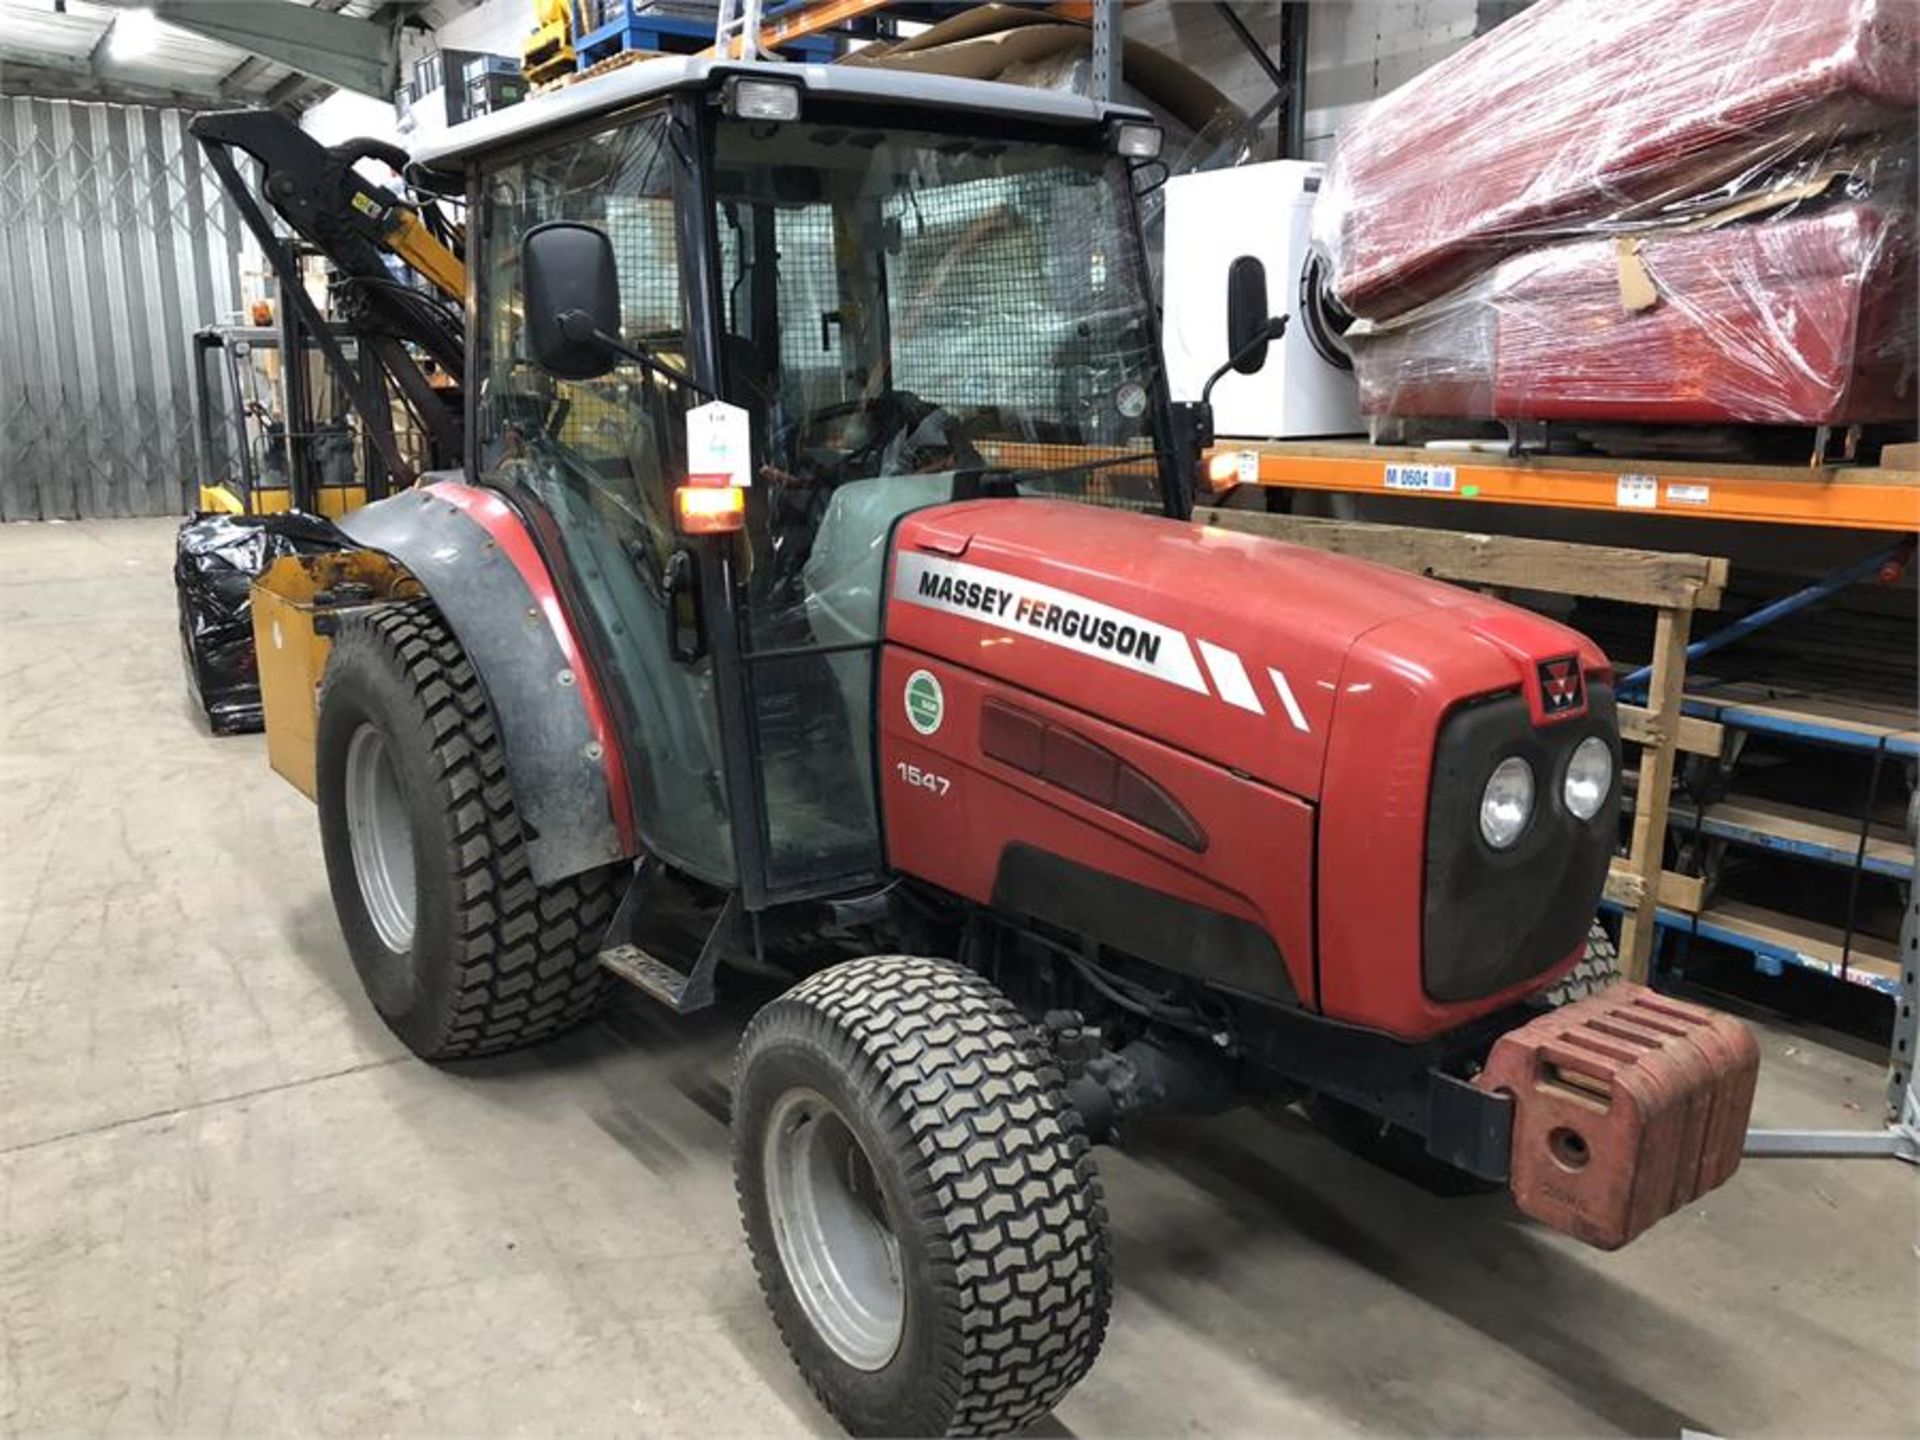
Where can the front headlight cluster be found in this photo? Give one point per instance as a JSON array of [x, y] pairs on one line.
[[1506, 805]]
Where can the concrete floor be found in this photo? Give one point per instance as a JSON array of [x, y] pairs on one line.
[[229, 1203]]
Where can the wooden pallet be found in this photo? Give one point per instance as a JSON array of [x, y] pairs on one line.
[[593, 72]]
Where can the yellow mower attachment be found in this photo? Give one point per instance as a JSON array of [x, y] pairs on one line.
[[333, 501], [295, 605]]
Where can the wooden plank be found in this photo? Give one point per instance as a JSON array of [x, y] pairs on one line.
[[1696, 737], [1816, 945], [1638, 925], [1677, 892], [1793, 829], [1831, 712], [1602, 572]]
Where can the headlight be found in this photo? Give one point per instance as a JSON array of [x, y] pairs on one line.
[[1507, 803], [1589, 777]]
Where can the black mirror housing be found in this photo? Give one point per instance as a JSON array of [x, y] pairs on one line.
[[572, 294], [1248, 323]]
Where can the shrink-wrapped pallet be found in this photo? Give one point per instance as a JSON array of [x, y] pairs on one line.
[[1800, 319], [1591, 117]]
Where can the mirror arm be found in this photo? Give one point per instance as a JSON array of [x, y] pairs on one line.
[[578, 325], [1274, 329]]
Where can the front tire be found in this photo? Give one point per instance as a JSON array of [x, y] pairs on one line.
[[919, 1199], [461, 952]]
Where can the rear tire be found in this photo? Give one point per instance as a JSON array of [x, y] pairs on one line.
[[461, 952], [919, 1200]]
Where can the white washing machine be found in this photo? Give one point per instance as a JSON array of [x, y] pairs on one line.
[[1306, 387]]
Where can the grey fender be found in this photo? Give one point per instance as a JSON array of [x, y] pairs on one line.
[[555, 762]]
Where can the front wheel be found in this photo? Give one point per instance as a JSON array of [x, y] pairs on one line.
[[919, 1200]]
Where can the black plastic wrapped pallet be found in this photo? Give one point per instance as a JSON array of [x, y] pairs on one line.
[[216, 558]]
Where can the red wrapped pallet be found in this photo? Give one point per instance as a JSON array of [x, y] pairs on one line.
[[1585, 116], [1805, 319]]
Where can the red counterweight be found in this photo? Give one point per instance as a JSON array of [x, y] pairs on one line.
[[1626, 1106]]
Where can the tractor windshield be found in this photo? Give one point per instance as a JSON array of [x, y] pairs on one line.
[[906, 303]]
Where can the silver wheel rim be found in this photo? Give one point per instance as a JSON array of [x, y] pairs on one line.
[[382, 839], [831, 1226]]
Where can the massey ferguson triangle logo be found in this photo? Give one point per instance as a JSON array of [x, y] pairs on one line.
[[1561, 690]]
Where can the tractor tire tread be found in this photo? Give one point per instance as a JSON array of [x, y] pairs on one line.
[[1598, 968], [1003, 1167], [528, 962]]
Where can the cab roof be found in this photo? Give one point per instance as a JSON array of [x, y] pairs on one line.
[[450, 152]]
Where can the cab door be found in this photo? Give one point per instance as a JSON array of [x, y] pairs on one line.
[[802, 321], [593, 462]]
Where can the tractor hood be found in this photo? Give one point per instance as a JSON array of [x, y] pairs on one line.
[[1225, 645]]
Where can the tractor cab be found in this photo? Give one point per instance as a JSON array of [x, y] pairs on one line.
[[733, 322]]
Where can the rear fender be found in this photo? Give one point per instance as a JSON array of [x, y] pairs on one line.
[[473, 556]]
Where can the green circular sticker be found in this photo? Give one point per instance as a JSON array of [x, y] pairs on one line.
[[925, 703]]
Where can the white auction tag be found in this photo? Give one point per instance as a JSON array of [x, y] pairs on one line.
[[719, 442], [1689, 494], [1637, 492]]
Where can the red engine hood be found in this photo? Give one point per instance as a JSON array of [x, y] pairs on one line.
[[1228, 646]]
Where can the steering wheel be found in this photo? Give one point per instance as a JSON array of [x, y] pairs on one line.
[[810, 442]]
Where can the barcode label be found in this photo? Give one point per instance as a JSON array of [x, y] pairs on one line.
[[1432, 479]]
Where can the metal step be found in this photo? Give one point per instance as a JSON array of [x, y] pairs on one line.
[[679, 992]]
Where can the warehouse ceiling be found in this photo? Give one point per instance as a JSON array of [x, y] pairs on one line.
[[268, 54]]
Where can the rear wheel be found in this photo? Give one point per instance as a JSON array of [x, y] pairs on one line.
[[1599, 967], [461, 952], [919, 1199]]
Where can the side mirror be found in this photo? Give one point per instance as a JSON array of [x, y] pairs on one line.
[[572, 299], [1248, 325]]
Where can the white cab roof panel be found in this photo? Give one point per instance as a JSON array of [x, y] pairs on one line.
[[647, 78]]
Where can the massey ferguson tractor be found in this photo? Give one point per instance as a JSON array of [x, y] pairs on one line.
[[820, 598]]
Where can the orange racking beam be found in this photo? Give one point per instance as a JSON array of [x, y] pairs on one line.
[[1843, 497], [805, 20]]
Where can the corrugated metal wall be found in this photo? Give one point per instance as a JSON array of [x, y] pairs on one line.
[[116, 244]]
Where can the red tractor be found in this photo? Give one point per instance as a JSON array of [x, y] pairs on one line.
[[820, 594]]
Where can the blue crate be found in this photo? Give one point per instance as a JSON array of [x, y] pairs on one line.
[[673, 35]]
